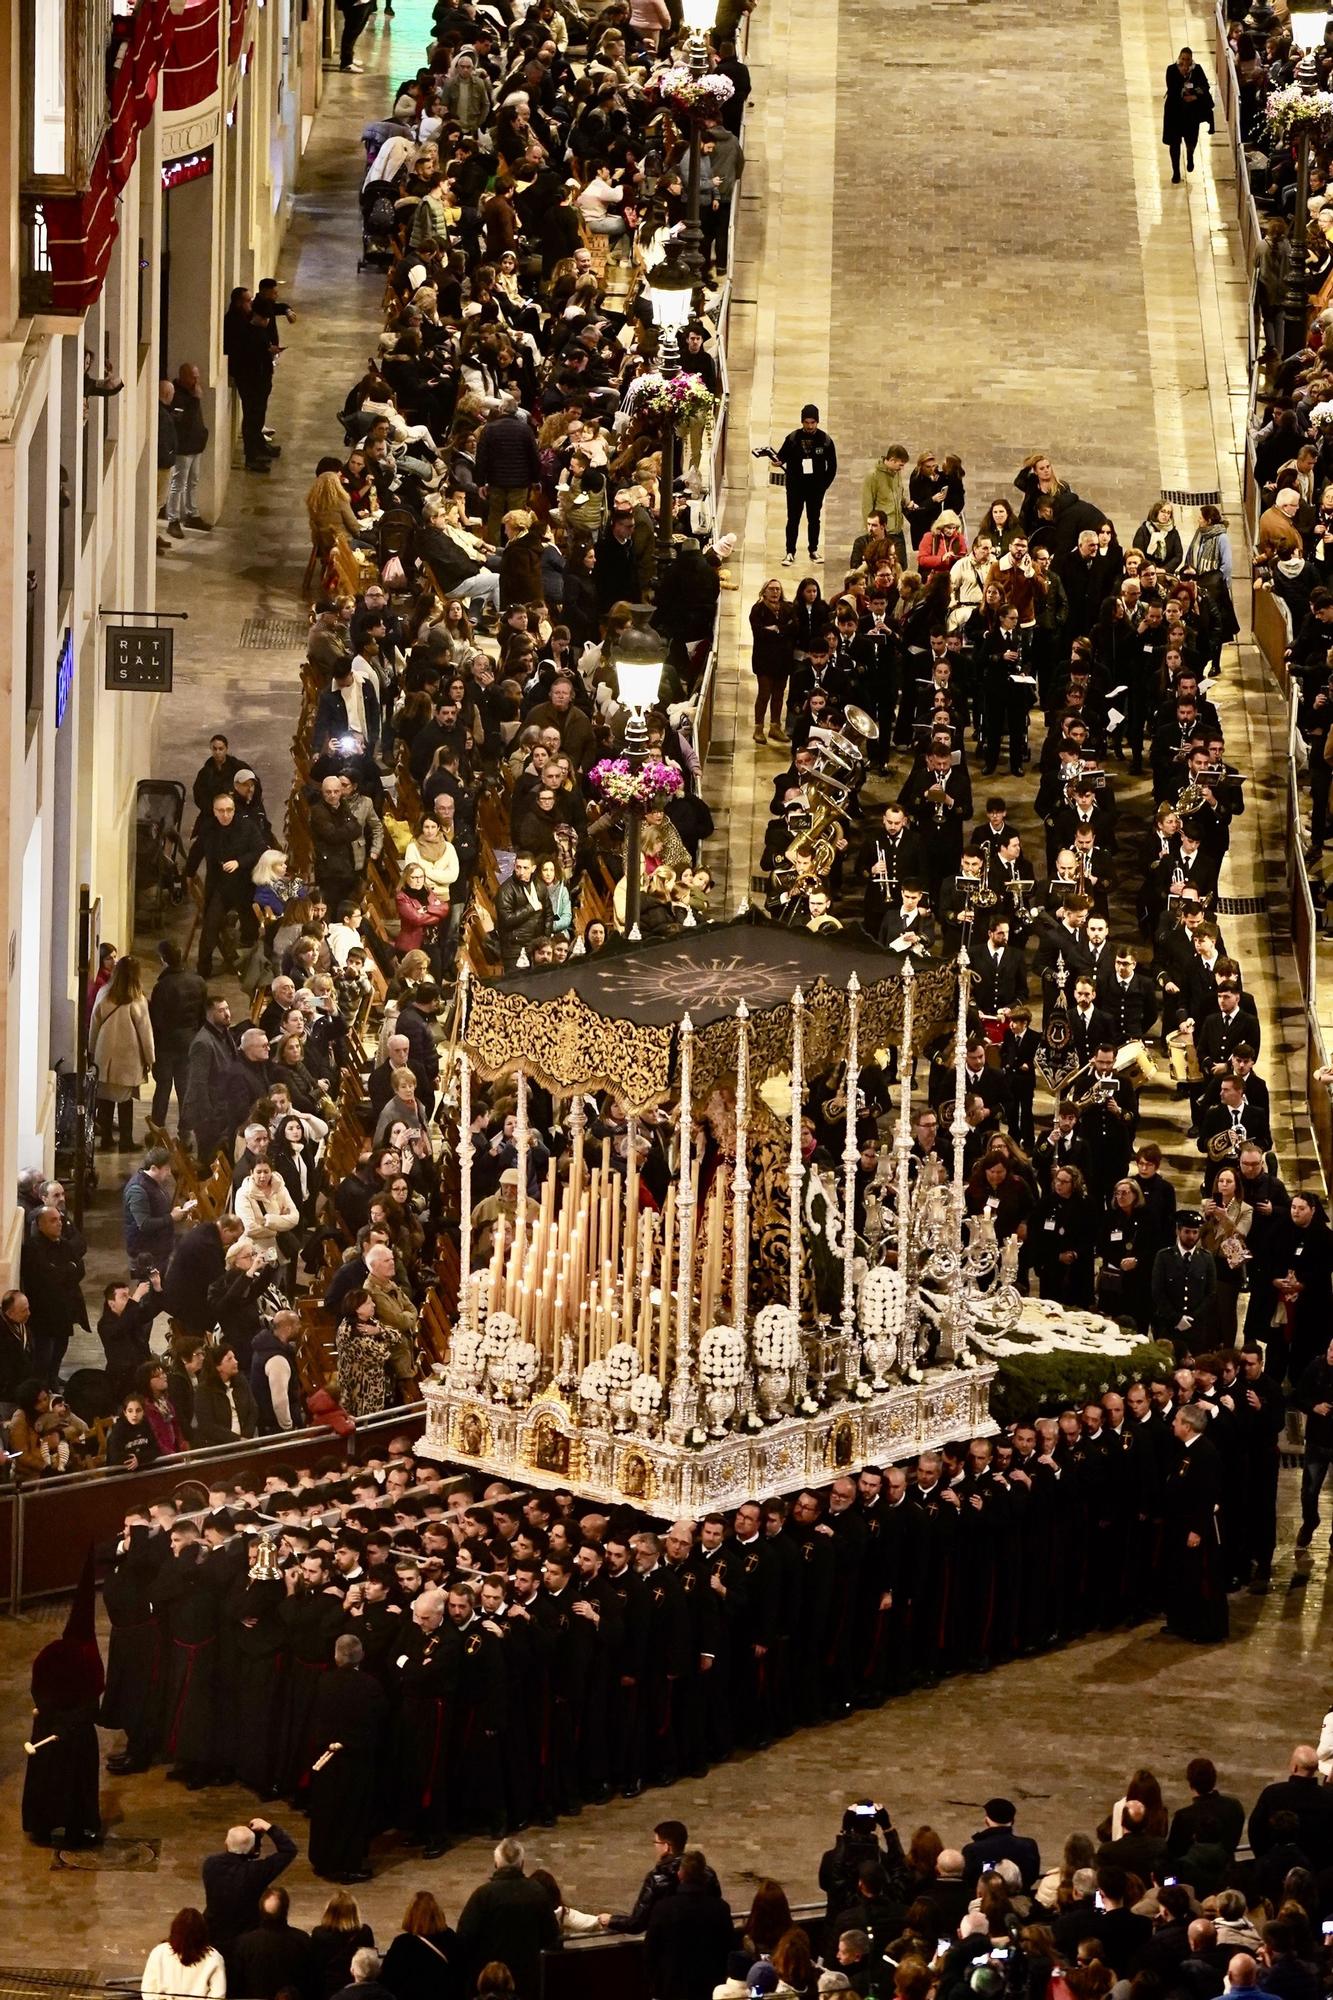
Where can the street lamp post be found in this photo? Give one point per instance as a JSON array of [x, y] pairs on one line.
[[1296, 297], [670, 291], [698, 16], [639, 665]]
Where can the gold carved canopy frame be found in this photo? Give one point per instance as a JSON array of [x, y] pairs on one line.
[[598, 1033]]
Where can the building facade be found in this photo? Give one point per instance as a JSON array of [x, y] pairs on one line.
[[149, 154]]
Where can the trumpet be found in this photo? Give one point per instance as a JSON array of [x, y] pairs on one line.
[[1101, 1091]]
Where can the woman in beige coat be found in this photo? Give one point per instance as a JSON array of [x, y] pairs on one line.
[[120, 1042]]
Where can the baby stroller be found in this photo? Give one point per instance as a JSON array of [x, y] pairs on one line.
[[159, 846], [379, 222]]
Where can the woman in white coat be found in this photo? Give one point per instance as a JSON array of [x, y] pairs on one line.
[[186, 1966], [265, 1207], [120, 1042]]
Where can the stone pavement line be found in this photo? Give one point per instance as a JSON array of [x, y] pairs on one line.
[[779, 358]]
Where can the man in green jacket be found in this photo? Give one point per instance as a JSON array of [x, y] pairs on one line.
[[882, 492]]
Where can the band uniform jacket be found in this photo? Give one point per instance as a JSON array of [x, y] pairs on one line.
[[1130, 1006], [999, 978], [1181, 1285]]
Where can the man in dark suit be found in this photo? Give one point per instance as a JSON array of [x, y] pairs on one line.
[[910, 921], [999, 975], [1088, 1025], [1127, 997], [890, 856], [997, 1841], [938, 801], [1301, 1793]]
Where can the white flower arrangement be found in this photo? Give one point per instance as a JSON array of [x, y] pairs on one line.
[[776, 1339], [753, 1423], [696, 1438], [808, 1406], [881, 1301], [622, 1363], [913, 1374], [592, 1383], [721, 1358], [520, 1364], [501, 1331], [966, 1358], [863, 1391], [1044, 1327], [645, 1395], [465, 1354]]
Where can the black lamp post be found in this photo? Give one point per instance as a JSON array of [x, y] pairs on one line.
[[639, 664], [1296, 297], [671, 291]]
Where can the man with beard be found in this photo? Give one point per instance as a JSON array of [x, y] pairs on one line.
[[679, 1558], [721, 1634], [477, 1793], [552, 1616], [933, 1590], [629, 1667], [813, 1542], [351, 1713], [597, 1638]]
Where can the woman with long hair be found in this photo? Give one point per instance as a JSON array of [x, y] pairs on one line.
[[420, 1962], [1060, 1241], [1227, 1220], [1209, 558], [772, 628], [1158, 537], [1124, 1242], [573, 1923], [120, 1042], [1038, 481], [185, 1966], [999, 522], [339, 1933], [769, 1919]]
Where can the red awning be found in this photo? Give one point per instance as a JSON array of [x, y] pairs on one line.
[[191, 72]]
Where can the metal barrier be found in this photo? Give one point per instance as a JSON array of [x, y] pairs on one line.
[[46, 1525]]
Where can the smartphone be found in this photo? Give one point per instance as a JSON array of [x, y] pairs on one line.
[[1000, 1951], [942, 1947], [1328, 1927]]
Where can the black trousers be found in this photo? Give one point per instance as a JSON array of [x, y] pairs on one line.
[[355, 16], [807, 499], [169, 1073], [216, 912], [254, 408], [1190, 140]]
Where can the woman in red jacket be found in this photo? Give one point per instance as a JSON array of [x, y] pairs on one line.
[[942, 544], [420, 913]]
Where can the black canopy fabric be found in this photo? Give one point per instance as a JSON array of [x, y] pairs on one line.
[[612, 1022]]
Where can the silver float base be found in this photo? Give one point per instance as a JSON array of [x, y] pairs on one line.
[[546, 1443]]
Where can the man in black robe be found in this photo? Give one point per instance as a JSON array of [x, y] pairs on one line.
[[350, 1720], [1196, 1593], [187, 1611], [426, 1675], [476, 1722], [813, 1542], [598, 1636], [311, 1617], [130, 1700], [627, 1666], [60, 1774]]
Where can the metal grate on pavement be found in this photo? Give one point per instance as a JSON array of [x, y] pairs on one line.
[[273, 635]]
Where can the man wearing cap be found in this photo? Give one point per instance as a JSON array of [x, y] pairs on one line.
[[1184, 1279], [809, 458], [997, 1841]]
